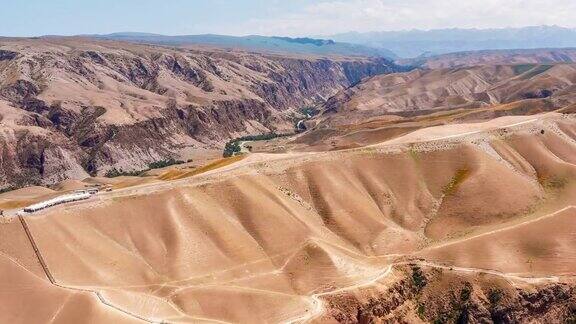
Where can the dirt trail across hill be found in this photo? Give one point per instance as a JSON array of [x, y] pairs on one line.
[[36, 250], [50, 277], [296, 237]]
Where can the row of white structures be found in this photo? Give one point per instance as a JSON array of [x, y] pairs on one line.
[[57, 201]]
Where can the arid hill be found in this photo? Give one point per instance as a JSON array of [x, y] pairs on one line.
[[494, 57], [387, 106], [430, 196], [423, 92], [462, 222], [73, 107]]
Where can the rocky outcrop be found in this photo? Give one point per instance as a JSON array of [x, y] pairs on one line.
[[449, 296], [107, 105], [7, 55]]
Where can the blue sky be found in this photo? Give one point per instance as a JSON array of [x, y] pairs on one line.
[[272, 17], [69, 17]]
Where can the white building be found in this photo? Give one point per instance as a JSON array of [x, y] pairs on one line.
[[57, 201]]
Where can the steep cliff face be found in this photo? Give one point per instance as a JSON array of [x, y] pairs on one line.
[[73, 107]]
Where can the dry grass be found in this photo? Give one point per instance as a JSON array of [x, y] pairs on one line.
[[553, 183], [172, 174], [179, 174], [130, 181], [15, 204], [455, 182]]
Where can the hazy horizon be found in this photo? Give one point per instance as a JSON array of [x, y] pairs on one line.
[[278, 18], [309, 35]]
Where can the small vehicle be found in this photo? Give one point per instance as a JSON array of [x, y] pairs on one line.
[[93, 191]]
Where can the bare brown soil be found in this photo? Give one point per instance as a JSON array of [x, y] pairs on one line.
[[441, 223]]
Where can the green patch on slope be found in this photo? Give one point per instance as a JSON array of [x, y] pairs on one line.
[[528, 71], [455, 182], [536, 71], [523, 68]]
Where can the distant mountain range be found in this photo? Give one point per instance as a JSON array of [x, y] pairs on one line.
[[413, 43], [256, 43], [388, 44]]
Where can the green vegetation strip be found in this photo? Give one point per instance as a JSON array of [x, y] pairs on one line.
[[233, 147], [113, 173], [3, 190]]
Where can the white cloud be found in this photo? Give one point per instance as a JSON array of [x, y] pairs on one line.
[[329, 17]]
